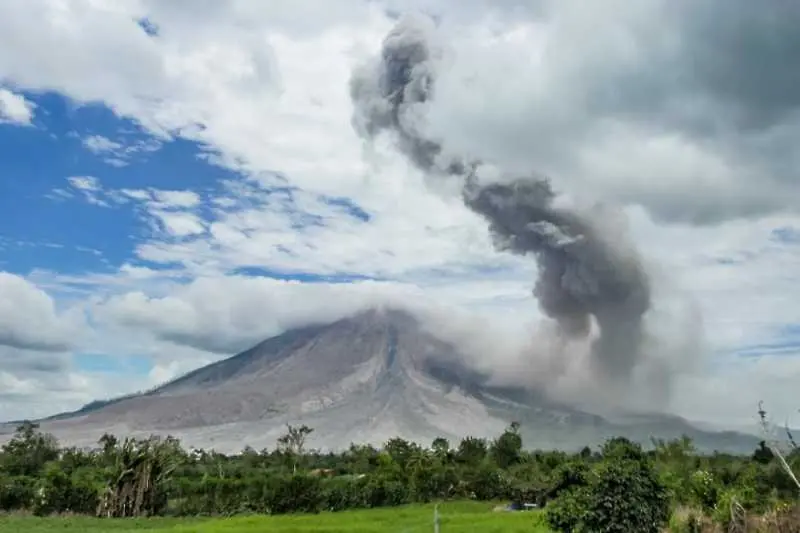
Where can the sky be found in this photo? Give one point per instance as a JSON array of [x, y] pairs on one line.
[[180, 181]]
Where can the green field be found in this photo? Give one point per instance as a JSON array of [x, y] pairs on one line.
[[459, 516]]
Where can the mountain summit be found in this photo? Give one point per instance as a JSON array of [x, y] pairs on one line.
[[365, 378]]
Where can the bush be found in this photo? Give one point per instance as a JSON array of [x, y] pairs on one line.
[[298, 493], [704, 490], [567, 476], [17, 492], [567, 513], [342, 494], [52, 491], [488, 483], [383, 492], [622, 493]]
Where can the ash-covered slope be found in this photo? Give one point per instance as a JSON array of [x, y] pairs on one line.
[[365, 378]]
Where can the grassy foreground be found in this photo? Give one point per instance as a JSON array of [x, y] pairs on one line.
[[454, 517]]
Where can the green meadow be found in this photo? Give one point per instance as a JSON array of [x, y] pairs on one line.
[[454, 517]]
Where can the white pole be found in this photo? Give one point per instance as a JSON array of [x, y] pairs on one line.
[[436, 518]]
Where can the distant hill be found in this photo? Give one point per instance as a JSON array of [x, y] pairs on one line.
[[366, 378]]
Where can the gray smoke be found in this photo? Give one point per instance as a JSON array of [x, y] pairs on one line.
[[583, 271]]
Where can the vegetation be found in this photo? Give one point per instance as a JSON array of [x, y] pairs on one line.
[[456, 517], [620, 487]]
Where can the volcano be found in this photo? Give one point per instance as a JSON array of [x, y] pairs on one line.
[[363, 379]]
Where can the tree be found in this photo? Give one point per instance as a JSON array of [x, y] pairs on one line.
[[471, 451], [440, 447], [622, 493], [401, 451], [361, 458], [29, 450], [136, 482], [763, 454], [293, 442], [108, 443], [507, 447]]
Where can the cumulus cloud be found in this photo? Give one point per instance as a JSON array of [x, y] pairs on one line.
[[14, 108], [226, 315], [686, 108], [35, 384], [29, 319]]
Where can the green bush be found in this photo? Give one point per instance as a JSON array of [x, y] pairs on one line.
[[704, 490], [17, 492], [341, 494], [622, 493], [299, 493]]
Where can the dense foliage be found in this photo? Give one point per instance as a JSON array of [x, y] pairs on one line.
[[620, 492], [619, 487]]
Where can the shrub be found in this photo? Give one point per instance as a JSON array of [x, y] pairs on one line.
[[704, 490], [17, 492], [622, 493], [298, 493]]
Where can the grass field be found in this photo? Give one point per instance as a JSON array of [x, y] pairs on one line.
[[455, 516]]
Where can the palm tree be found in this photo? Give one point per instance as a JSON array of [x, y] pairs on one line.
[[137, 478]]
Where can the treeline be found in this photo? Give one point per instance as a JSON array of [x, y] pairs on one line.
[[619, 483]]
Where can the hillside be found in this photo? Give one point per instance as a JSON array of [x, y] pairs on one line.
[[365, 378]]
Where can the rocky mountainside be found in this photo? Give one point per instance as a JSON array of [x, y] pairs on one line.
[[366, 378]]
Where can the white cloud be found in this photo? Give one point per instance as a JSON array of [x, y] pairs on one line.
[[229, 314], [179, 224], [116, 153], [99, 144], [302, 232], [85, 183], [165, 210], [88, 186], [36, 384], [631, 117], [59, 194], [14, 108], [137, 194], [167, 199], [29, 318]]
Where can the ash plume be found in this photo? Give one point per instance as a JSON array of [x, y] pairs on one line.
[[586, 272]]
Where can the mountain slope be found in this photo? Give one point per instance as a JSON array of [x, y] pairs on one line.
[[365, 378]]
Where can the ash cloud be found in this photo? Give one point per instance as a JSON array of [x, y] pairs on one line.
[[587, 272]]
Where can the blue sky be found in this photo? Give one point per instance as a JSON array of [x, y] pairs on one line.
[[53, 150], [174, 192]]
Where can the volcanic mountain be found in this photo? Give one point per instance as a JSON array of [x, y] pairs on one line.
[[365, 378]]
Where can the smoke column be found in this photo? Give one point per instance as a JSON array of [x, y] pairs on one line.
[[583, 271]]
